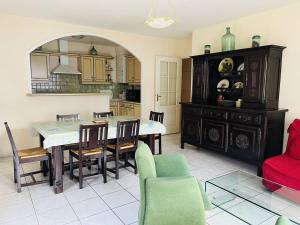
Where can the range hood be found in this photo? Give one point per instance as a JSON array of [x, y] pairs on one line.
[[64, 67]]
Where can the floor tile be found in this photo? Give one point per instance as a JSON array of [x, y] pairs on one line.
[[16, 212], [128, 181], [105, 218], [128, 213], [44, 204], [31, 220], [89, 207], [80, 194], [224, 218], [14, 198], [58, 216], [135, 191], [118, 198], [109, 187]]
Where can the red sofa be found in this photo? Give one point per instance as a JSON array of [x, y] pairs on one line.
[[285, 169]]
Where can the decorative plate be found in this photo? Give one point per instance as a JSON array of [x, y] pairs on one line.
[[226, 65], [241, 67], [223, 84], [238, 85]]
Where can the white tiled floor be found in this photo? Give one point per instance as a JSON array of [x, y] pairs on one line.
[[97, 203]]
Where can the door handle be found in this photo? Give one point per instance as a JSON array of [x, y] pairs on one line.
[[157, 97]]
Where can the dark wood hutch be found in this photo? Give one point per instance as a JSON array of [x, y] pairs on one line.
[[251, 133]]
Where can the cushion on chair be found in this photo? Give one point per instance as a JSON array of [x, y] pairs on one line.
[[171, 165], [283, 170], [89, 152], [122, 146], [32, 153]]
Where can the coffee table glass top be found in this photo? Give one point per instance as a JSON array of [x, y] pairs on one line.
[[253, 199]]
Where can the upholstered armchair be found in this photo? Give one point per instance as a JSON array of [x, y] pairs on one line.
[[169, 194]]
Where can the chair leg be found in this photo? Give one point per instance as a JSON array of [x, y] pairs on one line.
[[80, 175], [135, 167], [15, 172], [89, 165], [50, 170], [18, 176], [117, 165], [104, 171], [71, 166], [159, 142], [45, 168], [63, 161], [126, 159]]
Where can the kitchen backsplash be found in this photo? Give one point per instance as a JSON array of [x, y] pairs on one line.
[[65, 83]]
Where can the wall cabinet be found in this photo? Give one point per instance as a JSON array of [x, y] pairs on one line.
[[133, 70], [39, 63], [93, 70]]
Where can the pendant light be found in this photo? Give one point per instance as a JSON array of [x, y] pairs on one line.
[[159, 22]]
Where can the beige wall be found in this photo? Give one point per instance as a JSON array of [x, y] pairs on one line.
[[20, 35], [280, 27]]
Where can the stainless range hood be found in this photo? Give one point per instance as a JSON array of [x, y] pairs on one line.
[[64, 67]]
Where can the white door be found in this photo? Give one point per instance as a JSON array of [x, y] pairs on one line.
[[167, 96]]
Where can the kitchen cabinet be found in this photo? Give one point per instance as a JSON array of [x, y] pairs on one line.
[[39, 63], [93, 70], [133, 70], [125, 108]]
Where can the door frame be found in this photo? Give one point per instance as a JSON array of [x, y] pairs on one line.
[[178, 60]]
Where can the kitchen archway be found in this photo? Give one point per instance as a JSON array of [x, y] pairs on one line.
[[82, 64]]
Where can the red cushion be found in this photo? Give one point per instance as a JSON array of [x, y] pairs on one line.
[[284, 170], [293, 144]]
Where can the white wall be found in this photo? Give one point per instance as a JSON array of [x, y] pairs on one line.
[[20, 35], [280, 27]]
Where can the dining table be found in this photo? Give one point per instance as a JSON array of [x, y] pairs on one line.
[[55, 134]]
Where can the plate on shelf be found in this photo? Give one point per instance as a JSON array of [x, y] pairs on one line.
[[241, 68], [223, 84], [238, 85], [226, 66]]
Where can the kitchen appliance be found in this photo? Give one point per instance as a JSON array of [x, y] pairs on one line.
[[133, 95]]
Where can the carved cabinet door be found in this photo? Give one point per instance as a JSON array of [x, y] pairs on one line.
[[214, 135], [200, 80], [255, 78], [191, 130], [244, 142]]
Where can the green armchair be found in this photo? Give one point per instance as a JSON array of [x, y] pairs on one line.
[[169, 194]]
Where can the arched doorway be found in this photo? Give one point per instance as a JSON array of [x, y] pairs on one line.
[[81, 64]]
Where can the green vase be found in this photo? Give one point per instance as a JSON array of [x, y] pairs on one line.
[[228, 41]]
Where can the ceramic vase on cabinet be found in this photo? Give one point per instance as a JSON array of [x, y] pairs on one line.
[[228, 41]]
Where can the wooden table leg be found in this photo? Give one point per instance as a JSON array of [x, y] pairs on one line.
[[57, 166], [151, 142]]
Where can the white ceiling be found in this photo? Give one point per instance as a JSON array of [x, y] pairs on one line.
[[129, 15]]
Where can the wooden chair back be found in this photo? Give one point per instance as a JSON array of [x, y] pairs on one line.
[[93, 136], [12, 143], [68, 117], [128, 132], [157, 116], [102, 114]]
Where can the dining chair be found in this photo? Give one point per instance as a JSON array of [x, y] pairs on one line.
[[30, 155], [92, 146], [158, 117], [67, 117], [102, 114], [126, 142]]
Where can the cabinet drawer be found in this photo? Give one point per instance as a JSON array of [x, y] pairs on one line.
[[246, 118], [193, 111], [215, 114]]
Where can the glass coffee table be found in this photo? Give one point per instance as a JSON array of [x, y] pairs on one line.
[[252, 199]]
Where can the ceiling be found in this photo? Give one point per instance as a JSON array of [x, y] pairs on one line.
[[129, 15]]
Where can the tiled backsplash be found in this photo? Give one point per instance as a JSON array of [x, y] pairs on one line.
[[66, 83]]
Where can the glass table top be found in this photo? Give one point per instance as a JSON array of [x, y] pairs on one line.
[[252, 199]]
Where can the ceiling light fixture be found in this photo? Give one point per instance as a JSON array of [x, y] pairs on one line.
[[158, 22]]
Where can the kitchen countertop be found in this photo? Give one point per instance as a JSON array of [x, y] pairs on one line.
[[66, 94]]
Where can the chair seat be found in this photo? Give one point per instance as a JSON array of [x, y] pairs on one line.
[[146, 136], [122, 146], [32, 153], [283, 170], [88, 152]]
